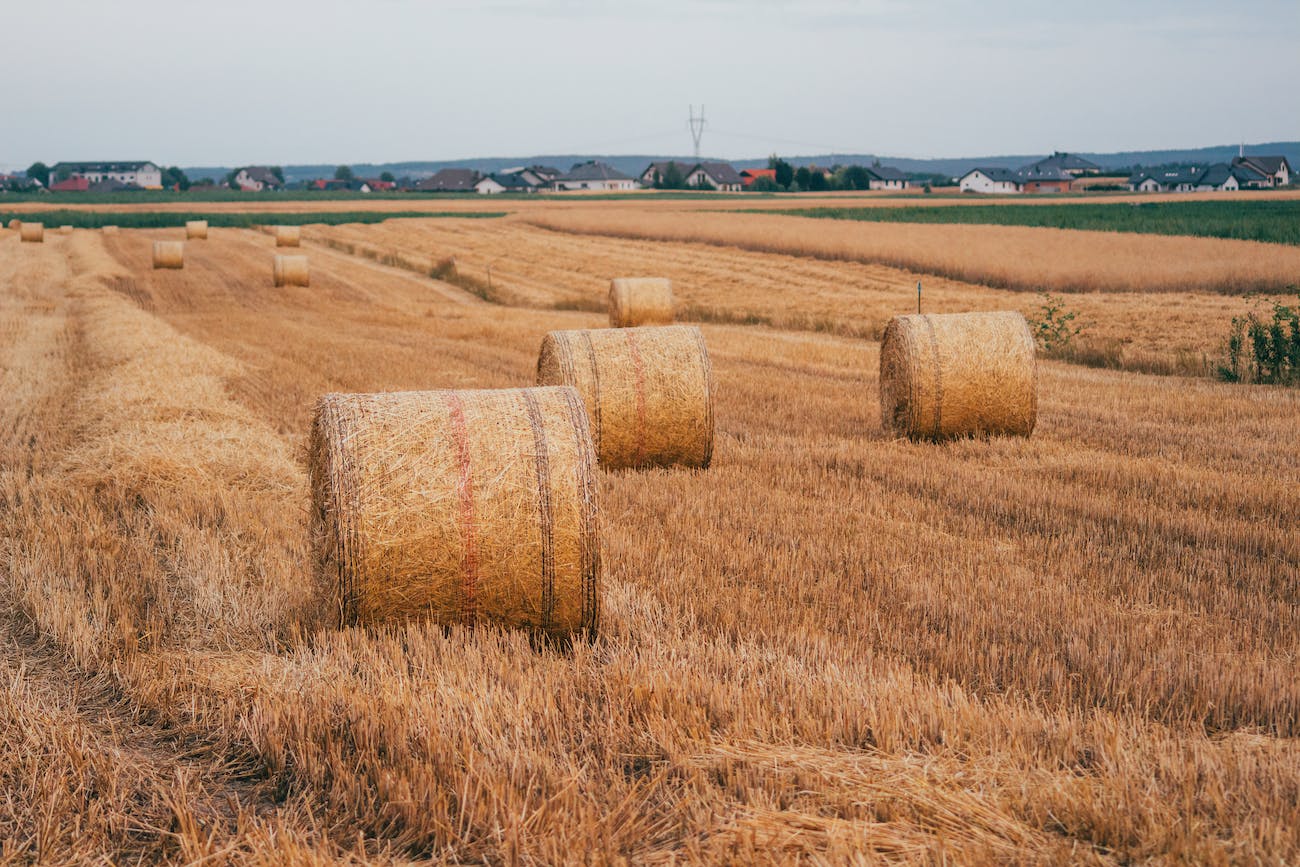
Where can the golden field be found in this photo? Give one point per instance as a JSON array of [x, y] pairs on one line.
[[832, 646]]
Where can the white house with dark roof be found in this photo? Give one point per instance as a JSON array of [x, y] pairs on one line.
[[1275, 168], [594, 175], [256, 179], [1070, 164], [990, 180], [719, 176], [886, 178], [140, 173]]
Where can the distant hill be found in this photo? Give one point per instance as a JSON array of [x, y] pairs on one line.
[[634, 164]]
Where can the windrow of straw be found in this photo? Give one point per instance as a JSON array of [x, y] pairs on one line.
[[196, 230], [958, 374], [288, 236], [168, 254], [648, 391], [32, 233], [640, 301], [291, 271], [462, 506]]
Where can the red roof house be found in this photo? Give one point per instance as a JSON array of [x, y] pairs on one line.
[[748, 176], [77, 184]]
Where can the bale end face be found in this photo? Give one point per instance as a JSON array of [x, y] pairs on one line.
[[640, 301], [648, 392], [15, 224], [463, 507], [196, 230], [288, 236], [32, 233], [291, 271], [168, 254], [944, 376], [65, 230]]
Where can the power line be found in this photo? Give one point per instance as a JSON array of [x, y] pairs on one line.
[[696, 126]]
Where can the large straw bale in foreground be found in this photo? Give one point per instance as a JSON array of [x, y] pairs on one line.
[[32, 233], [168, 254], [640, 301], [958, 374], [648, 391], [196, 230], [288, 236], [463, 506], [291, 271]]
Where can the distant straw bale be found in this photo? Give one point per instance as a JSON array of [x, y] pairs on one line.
[[648, 391], [462, 506], [168, 254], [291, 271], [288, 236], [958, 374], [32, 233], [65, 230], [109, 230], [15, 224], [196, 230], [640, 301]]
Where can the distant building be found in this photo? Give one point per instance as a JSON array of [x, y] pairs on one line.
[[255, 179], [376, 185], [450, 181], [989, 180], [657, 171], [74, 184], [140, 173], [1275, 168], [1070, 164], [886, 178], [1189, 179], [748, 176], [1044, 178], [719, 176], [594, 175]]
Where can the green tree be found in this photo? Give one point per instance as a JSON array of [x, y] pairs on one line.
[[855, 178], [230, 179], [802, 177], [343, 173], [763, 185], [278, 172], [40, 172], [673, 178], [817, 182], [784, 171], [387, 177], [174, 177]]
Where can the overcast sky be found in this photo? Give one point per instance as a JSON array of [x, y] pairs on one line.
[[306, 81]]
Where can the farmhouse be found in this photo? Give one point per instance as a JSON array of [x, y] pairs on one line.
[[1275, 168], [140, 173], [886, 178], [594, 175], [255, 179], [990, 180]]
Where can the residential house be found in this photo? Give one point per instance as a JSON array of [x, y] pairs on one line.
[[488, 186], [718, 176], [1188, 179], [657, 171], [594, 175], [74, 184], [990, 180], [748, 176], [376, 185], [330, 184], [1040, 177], [141, 173], [886, 178], [1071, 164], [255, 179], [1275, 168], [450, 181], [539, 176]]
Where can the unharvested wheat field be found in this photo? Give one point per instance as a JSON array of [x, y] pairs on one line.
[[831, 646]]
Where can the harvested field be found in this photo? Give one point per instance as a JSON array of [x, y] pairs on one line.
[[1074, 648]]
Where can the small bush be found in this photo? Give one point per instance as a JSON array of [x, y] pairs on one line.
[[1054, 326], [1264, 349]]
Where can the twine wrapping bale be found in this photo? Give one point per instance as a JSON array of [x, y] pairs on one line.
[[65, 230], [640, 301], [32, 233], [168, 254], [462, 506], [291, 271], [288, 236], [958, 374], [196, 230], [648, 391]]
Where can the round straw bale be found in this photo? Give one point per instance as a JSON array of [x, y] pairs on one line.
[[648, 391], [168, 254], [640, 301], [196, 230], [33, 233], [958, 374], [15, 224], [288, 236], [462, 506], [65, 230], [109, 230], [291, 271]]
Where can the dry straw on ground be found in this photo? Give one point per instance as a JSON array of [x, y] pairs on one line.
[[168, 254], [288, 236], [109, 230], [291, 271], [648, 391], [196, 230], [640, 301], [958, 374], [65, 230], [464, 506], [33, 233]]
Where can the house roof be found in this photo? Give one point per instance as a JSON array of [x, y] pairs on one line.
[[1068, 162], [1040, 172], [886, 173], [1215, 176], [662, 166], [262, 175], [511, 181], [70, 185], [1265, 164], [594, 170], [451, 181], [1248, 174], [995, 174], [721, 173], [758, 173], [128, 166]]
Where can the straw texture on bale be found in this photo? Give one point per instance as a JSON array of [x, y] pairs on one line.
[[640, 301], [291, 271], [958, 374], [65, 230], [15, 224], [461, 506], [33, 233], [288, 236], [169, 254], [196, 230], [648, 391]]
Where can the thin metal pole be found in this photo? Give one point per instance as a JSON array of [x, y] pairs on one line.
[[918, 296]]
